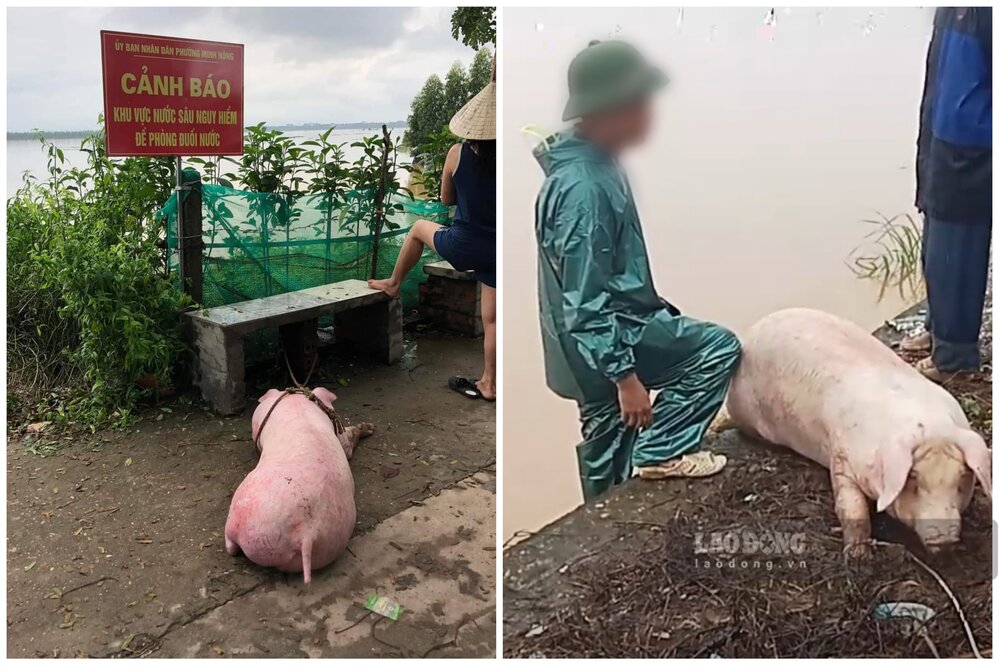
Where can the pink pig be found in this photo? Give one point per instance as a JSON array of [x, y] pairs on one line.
[[295, 510], [830, 391]]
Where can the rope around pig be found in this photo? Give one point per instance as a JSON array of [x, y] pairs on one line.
[[301, 389]]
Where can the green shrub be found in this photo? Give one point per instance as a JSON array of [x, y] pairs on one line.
[[91, 310]]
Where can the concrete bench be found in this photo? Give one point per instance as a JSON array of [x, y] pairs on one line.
[[451, 299], [364, 316]]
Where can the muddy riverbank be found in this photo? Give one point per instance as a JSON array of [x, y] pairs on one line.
[[627, 576]]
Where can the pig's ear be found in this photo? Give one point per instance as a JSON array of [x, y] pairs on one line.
[[977, 457], [325, 396], [270, 395], [892, 465]]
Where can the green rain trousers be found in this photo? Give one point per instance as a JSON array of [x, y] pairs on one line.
[[690, 362], [602, 320]]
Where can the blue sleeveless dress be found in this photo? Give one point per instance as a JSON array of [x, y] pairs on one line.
[[470, 242]]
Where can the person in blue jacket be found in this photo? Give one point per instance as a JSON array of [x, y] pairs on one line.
[[954, 188], [609, 338]]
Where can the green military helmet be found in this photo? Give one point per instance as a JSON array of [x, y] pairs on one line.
[[608, 74]]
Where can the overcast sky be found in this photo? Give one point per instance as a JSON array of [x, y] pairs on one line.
[[336, 64]]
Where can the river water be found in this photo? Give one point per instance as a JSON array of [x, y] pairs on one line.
[[773, 144], [28, 155]]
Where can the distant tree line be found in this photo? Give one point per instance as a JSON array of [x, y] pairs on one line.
[[438, 100], [340, 126], [70, 134], [80, 134]]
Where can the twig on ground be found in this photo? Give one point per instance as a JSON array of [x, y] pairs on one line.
[[80, 587], [357, 622], [953, 599]]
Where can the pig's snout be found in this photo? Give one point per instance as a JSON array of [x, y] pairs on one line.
[[937, 491], [938, 548], [938, 530], [939, 535]]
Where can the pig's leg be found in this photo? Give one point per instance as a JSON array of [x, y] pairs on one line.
[[853, 512], [351, 435], [723, 421]]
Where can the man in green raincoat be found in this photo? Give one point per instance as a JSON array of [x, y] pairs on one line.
[[609, 338]]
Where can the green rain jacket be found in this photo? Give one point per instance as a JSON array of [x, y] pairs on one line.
[[596, 292]]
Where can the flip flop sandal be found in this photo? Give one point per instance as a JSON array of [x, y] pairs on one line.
[[691, 466], [917, 343], [465, 387]]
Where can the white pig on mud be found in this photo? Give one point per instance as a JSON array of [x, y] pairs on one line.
[[832, 392], [295, 510]]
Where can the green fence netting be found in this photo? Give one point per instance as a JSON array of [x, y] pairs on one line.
[[261, 244]]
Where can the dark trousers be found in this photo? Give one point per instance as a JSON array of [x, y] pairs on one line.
[[956, 266]]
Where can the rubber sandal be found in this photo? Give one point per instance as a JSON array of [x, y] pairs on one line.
[[465, 387], [917, 343], [691, 466]]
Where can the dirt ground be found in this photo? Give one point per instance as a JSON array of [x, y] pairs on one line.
[[115, 541], [628, 576], [635, 575]]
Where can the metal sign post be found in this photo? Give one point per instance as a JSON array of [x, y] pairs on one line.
[[182, 264]]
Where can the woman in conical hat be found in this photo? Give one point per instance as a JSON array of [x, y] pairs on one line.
[[469, 183]]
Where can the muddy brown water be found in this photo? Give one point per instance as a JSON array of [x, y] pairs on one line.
[[768, 155]]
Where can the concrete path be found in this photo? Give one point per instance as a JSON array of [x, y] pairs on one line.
[[438, 560]]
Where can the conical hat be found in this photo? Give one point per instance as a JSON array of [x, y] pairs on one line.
[[477, 119]]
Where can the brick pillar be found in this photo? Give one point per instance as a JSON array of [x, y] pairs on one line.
[[451, 299]]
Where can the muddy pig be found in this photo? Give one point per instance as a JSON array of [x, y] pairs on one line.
[[832, 392], [295, 510]]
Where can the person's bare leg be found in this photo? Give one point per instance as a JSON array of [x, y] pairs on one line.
[[487, 385], [421, 234]]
